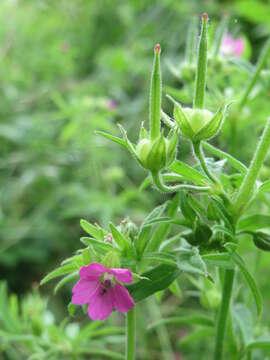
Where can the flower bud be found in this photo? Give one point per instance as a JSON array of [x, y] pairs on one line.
[[211, 298], [198, 124], [157, 154], [262, 241]]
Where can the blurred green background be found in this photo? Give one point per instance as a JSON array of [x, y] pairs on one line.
[[67, 69]]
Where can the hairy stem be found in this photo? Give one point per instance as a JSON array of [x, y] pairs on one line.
[[223, 314], [200, 156], [158, 182], [247, 188], [130, 334], [261, 62]]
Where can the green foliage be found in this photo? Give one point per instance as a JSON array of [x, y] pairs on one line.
[[69, 73]]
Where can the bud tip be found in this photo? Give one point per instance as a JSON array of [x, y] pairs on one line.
[[157, 48], [204, 16]]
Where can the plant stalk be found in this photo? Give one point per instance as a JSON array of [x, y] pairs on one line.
[[130, 334], [247, 188], [261, 62], [200, 156], [159, 183], [223, 314]]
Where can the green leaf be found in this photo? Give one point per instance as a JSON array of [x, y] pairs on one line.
[[261, 343], [236, 164], [243, 320], [265, 187], [190, 261], [222, 260], [65, 280], [92, 230], [113, 138], [250, 280], [159, 277], [188, 173], [197, 336], [254, 222], [119, 238], [99, 246], [163, 229], [145, 229], [63, 270], [194, 319], [161, 258]]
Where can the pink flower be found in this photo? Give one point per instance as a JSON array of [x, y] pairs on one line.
[[100, 288], [111, 104], [231, 46]]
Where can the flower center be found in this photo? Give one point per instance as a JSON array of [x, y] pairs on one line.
[[105, 285]]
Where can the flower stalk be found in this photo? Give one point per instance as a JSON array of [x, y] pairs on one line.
[[130, 334], [260, 65], [247, 188], [223, 314]]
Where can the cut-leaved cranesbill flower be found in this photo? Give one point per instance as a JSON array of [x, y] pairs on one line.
[[101, 288]]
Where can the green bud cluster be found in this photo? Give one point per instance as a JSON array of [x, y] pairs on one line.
[[159, 153], [198, 124], [154, 150]]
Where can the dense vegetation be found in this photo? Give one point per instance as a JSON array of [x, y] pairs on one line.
[[70, 69]]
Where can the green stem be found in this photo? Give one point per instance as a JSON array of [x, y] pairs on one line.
[[200, 156], [236, 164], [200, 81], [247, 188], [130, 334], [223, 313], [260, 64], [158, 182]]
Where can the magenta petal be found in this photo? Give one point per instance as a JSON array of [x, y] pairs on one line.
[[124, 275], [239, 47], [83, 290], [92, 271], [122, 301], [100, 306]]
